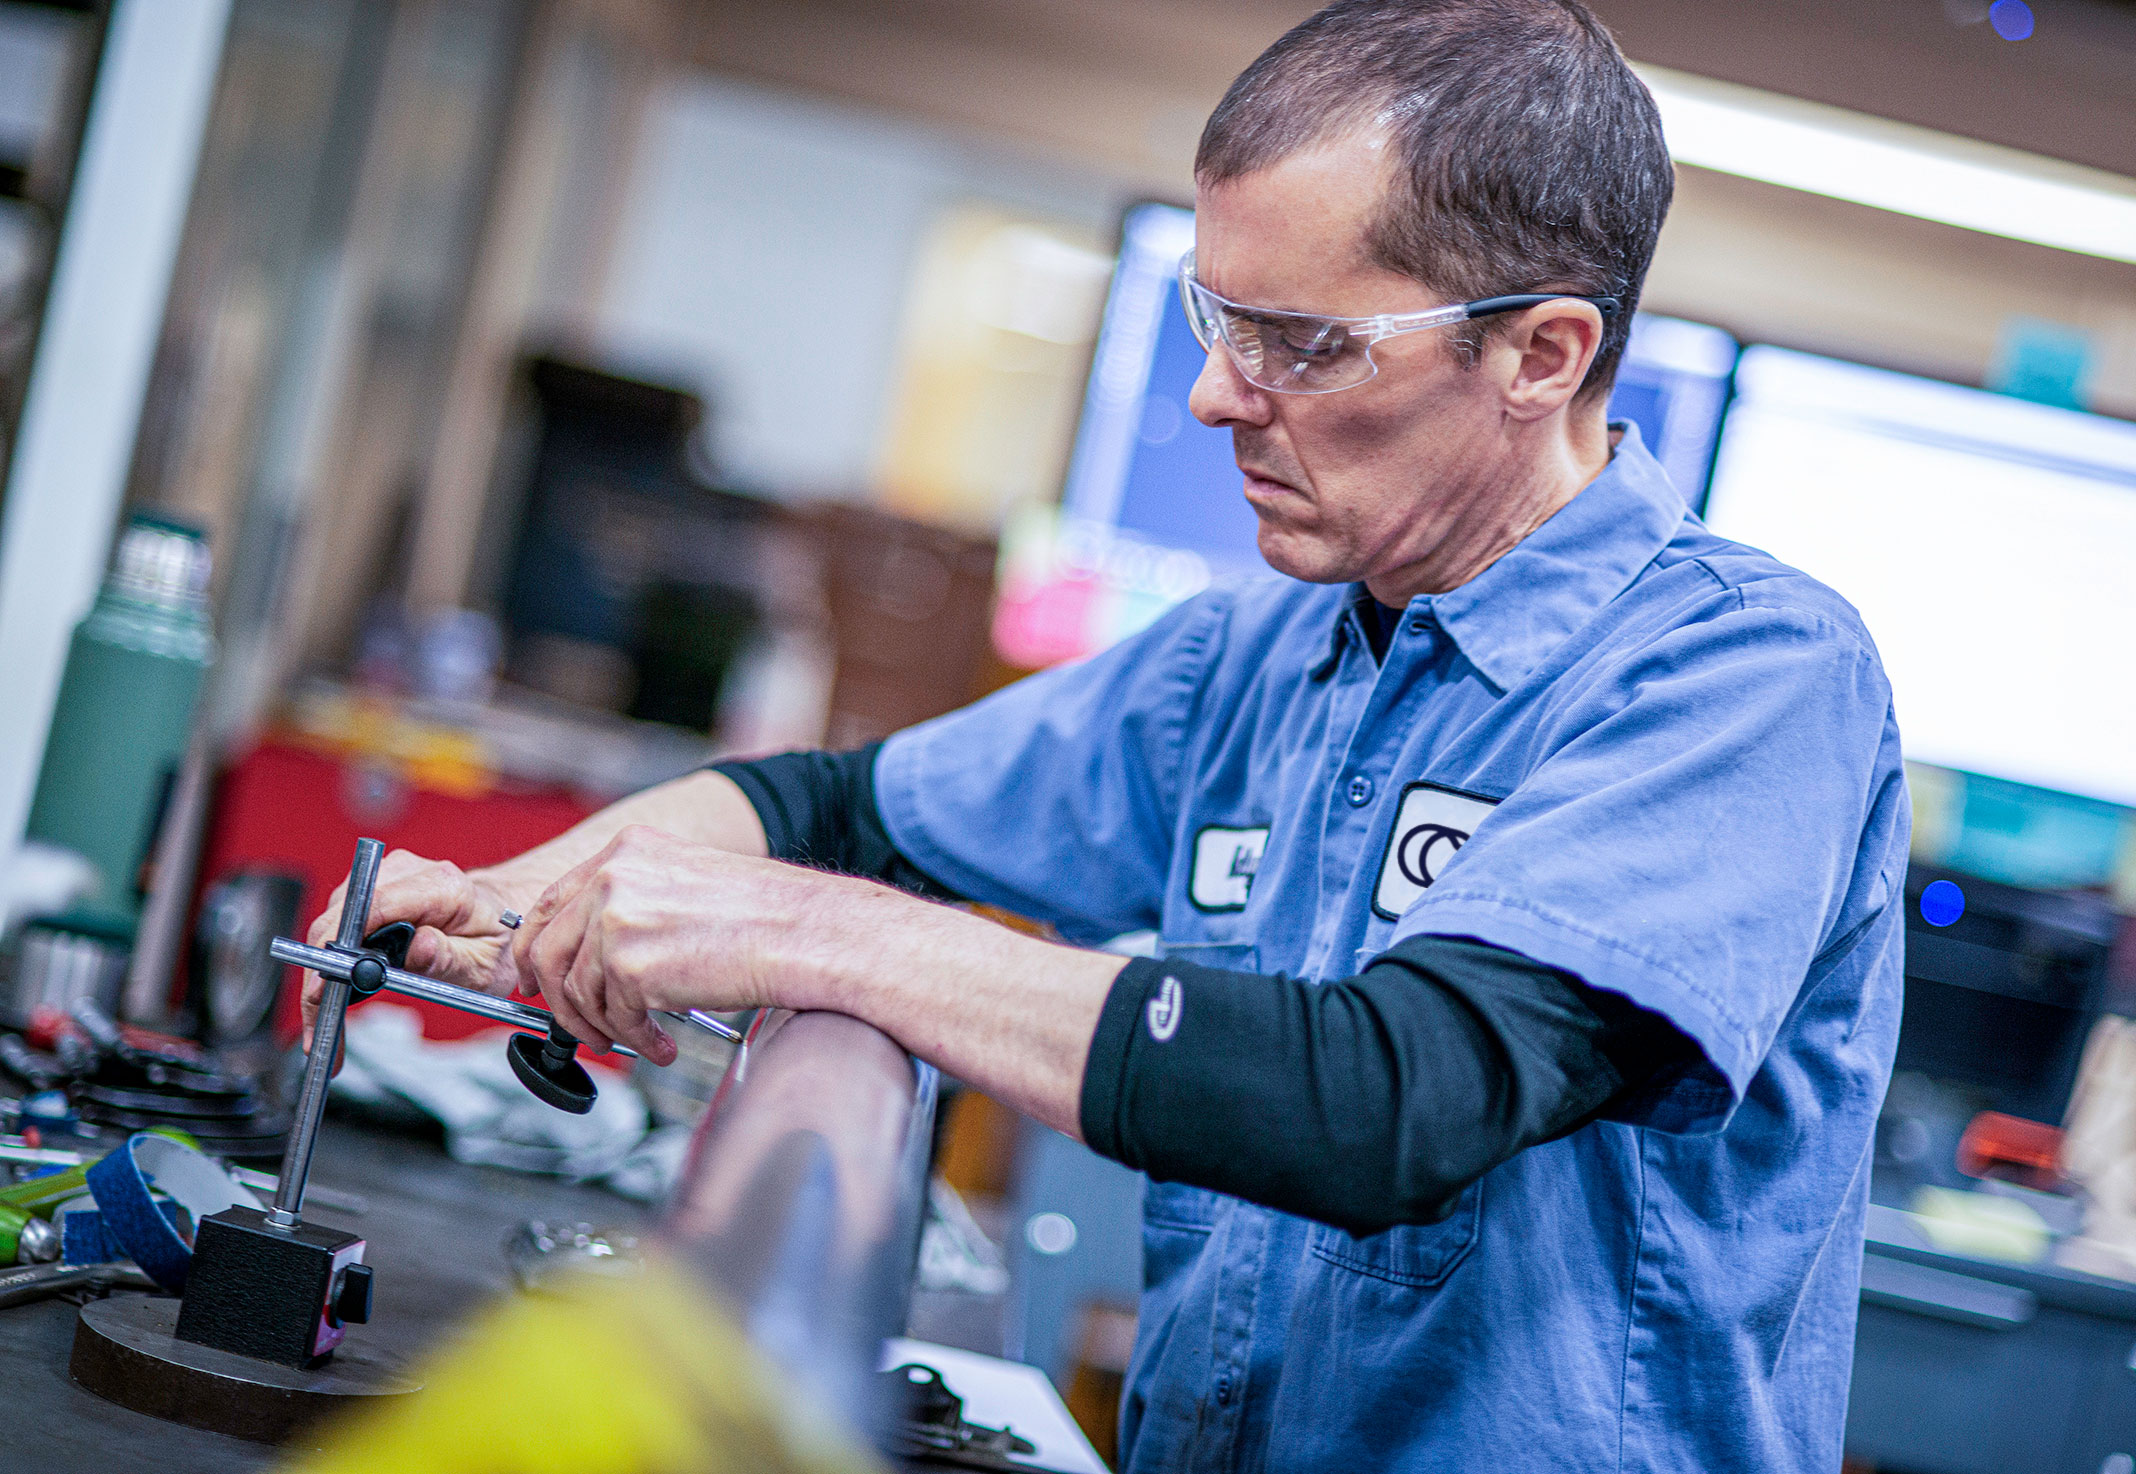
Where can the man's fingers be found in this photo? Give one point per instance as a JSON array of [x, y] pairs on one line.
[[635, 1028], [553, 902], [546, 949], [480, 963], [548, 959], [459, 934], [427, 893], [622, 1014], [565, 958], [565, 1001], [413, 889]]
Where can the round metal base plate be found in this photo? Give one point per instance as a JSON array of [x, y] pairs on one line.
[[124, 1351]]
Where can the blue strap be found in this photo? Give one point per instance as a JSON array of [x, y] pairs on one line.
[[85, 1240], [120, 1185]]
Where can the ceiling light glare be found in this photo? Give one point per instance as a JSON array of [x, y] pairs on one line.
[[1894, 166]]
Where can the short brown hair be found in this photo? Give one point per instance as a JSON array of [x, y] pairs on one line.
[[1531, 157]]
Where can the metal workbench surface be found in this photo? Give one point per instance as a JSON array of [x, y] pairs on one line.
[[436, 1230]]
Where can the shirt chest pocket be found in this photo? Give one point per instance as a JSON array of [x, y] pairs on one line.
[[1419, 1255]]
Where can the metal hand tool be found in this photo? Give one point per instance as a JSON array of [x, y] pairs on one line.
[[35, 1282], [333, 963]]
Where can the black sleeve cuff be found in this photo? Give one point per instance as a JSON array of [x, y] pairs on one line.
[[786, 833], [1105, 1074], [819, 809]]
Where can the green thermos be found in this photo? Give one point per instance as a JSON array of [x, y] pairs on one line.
[[125, 706]]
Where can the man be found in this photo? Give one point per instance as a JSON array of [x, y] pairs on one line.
[[1526, 864]]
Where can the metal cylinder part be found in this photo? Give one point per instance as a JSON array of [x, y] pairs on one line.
[[802, 1194]]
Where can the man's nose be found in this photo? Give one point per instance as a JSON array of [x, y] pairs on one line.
[[1221, 395]]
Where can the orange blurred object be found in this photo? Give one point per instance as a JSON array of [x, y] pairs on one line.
[[2014, 1149], [48, 1025]]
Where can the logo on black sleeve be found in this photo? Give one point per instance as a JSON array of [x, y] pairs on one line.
[[1164, 1009], [1430, 827]]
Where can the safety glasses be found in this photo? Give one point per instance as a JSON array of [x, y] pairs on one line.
[[1305, 353]]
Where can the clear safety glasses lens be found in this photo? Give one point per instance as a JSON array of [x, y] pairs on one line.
[[1285, 352]]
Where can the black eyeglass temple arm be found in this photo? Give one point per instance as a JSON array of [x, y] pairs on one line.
[[1487, 306]]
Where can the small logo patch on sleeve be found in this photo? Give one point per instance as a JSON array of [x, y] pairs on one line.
[[1430, 827], [1164, 1009], [1225, 861]]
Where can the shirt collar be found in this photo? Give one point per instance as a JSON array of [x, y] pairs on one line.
[[1349, 625], [1514, 613]]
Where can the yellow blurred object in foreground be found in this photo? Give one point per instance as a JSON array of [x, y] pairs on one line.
[[1981, 1225], [601, 1376]]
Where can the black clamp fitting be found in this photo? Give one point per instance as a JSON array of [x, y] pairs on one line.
[[551, 1070]]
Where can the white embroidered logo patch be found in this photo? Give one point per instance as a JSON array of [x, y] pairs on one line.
[[1430, 828], [1225, 861], [1164, 1010]]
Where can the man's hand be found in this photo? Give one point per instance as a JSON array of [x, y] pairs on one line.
[[459, 935], [656, 922], [652, 921]]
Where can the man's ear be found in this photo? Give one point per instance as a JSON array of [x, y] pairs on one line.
[[1546, 352]]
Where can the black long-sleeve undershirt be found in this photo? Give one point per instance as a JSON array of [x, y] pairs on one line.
[[1368, 1102], [1364, 1103]]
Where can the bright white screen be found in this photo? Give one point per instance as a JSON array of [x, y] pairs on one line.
[[1989, 544]]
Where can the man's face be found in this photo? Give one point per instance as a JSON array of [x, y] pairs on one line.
[[1367, 480]]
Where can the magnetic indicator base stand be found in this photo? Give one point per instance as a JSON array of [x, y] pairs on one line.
[[267, 1296], [251, 1349]]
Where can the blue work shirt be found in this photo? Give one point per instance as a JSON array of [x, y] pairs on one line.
[[1657, 759]]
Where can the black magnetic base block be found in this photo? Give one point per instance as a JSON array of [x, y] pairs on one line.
[[268, 1292], [125, 1352]]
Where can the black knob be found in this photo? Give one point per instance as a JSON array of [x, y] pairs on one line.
[[352, 1296], [383, 948], [551, 1070], [366, 976]]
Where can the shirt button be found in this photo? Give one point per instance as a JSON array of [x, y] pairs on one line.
[[1359, 792], [1223, 1388]]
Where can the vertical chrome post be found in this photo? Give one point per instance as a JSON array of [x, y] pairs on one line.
[[326, 1040]]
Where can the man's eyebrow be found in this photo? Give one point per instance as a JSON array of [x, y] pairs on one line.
[[1268, 313], [1252, 307]]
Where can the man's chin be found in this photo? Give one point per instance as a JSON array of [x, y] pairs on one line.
[[1300, 555]]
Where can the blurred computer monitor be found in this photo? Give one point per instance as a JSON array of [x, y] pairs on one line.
[[1143, 466], [1153, 506], [1989, 543]]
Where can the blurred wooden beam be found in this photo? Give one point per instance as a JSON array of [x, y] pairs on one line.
[[1113, 84], [519, 225], [449, 510]]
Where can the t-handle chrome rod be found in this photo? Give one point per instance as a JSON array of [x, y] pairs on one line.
[[326, 1039], [333, 964]]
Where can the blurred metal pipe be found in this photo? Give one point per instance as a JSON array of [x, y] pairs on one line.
[[802, 1194]]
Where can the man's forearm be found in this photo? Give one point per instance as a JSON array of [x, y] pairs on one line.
[[704, 807], [1006, 1013]]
